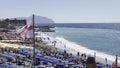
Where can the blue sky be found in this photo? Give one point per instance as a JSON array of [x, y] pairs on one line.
[[63, 11]]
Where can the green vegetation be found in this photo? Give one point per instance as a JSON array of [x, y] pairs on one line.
[[4, 23], [7, 23]]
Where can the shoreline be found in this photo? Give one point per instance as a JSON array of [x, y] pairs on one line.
[[99, 55]]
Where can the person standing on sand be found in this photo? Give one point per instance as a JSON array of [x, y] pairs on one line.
[[106, 61], [78, 54], [54, 43]]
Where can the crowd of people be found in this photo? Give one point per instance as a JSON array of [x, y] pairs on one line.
[[45, 57]]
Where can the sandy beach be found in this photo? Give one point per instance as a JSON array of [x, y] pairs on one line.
[[60, 46]]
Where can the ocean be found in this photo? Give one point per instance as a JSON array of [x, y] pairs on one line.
[[103, 40]]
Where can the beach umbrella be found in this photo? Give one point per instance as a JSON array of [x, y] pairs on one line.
[[6, 65], [99, 65]]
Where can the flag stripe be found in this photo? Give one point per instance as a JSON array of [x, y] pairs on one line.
[[26, 31]]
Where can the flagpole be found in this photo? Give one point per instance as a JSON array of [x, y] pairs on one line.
[[33, 43]]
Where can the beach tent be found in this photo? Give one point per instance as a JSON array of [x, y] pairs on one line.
[[91, 62]]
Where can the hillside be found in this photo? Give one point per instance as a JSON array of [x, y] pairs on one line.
[[38, 19]]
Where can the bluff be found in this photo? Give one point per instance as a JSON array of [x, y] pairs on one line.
[[40, 20]]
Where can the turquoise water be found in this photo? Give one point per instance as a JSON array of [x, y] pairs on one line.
[[103, 40]]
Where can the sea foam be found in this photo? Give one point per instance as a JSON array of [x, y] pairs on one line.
[[73, 48]]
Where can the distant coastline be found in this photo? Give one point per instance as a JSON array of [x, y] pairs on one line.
[[115, 26], [45, 28]]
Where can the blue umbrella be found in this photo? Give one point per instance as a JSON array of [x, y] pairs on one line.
[[60, 63], [99, 65], [7, 56], [6, 66], [23, 53], [51, 61]]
